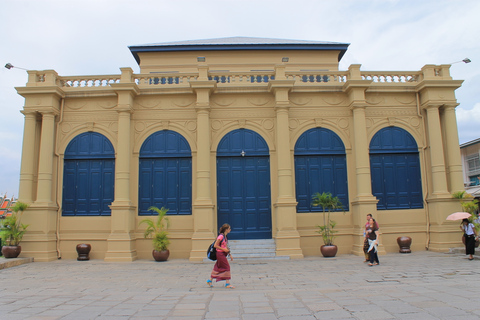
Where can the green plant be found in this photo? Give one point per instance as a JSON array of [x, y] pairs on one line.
[[157, 229], [328, 204], [11, 230], [468, 206]]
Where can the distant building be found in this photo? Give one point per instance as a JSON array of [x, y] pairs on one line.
[[244, 131], [5, 205], [470, 152]]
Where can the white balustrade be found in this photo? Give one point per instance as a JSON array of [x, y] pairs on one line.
[[88, 81], [317, 77], [391, 76]]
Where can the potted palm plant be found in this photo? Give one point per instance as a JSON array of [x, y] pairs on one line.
[[157, 231], [12, 231], [328, 204]]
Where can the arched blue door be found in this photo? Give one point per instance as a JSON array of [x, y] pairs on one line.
[[88, 176], [395, 170], [165, 177], [243, 185]]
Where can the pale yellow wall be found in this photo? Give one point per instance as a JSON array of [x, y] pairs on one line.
[[254, 106]]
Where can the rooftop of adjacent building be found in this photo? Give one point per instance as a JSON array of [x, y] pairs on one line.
[[238, 43], [470, 143]]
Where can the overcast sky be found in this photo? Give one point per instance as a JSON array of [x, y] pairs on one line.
[[91, 37]]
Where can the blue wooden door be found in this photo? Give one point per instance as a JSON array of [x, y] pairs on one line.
[[243, 185]]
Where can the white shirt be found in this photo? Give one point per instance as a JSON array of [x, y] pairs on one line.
[[468, 229]]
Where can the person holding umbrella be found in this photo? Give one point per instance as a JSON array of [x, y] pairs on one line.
[[470, 237]]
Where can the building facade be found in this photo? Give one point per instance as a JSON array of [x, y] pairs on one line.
[[244, 131], [470, 153]]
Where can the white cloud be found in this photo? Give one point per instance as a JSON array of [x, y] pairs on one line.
[[468, 122]]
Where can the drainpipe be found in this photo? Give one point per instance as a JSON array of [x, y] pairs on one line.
[[59, 204], [425, 193]]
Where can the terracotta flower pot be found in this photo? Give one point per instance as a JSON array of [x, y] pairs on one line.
[[329, 251], [161, 255], [11, 251], [83, 250], [404, 244]]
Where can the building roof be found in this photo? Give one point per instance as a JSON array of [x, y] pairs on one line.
[[469, 143], [239, 43]]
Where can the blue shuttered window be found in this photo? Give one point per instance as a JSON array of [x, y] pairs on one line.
[[320, 166], [395, 170], [89, 176], [165, 174]]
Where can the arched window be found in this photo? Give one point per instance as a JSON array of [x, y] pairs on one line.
[[395, 170], [165, 178], [89, 176], [320, 166]]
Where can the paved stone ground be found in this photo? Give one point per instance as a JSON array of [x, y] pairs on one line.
[[421, 285]]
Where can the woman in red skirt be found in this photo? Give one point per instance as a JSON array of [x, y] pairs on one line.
[[221, 270]]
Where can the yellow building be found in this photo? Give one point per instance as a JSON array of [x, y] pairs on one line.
[[238, 130]]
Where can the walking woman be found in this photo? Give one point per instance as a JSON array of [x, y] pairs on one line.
[[221, 270], [373, 240], [470, 236]]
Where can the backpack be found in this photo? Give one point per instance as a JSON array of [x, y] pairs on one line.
[[212, 252]]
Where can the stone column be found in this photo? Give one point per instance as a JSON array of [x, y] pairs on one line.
[[121, 241], [203, 209], [40, 241], [27, 169], [362, 157], [287, 237], [455, 171], [45, 163], [363, 202], [437, 162]]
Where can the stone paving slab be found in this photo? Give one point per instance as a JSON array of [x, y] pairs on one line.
[[420, 285]]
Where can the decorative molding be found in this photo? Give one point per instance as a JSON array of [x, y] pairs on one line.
[[403, 99], [299, 101], [139, 126], [259, 101], [343, 123], [241, 123], [164, 124], [293, 124], [374, 99], [89, 126], [183, 102], [334, 98], [268, 124], [191, 125], [216, 125], [222, 101]]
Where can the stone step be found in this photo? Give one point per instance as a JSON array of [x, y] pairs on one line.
[[254, 250]]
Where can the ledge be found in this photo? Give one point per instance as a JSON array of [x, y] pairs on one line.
[[13, 262]]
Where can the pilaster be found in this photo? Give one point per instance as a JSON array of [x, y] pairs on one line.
[[121, 241], [454, 161], [27, 168], [287, 238], [363, 201], [437, 156], [203, 208]]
